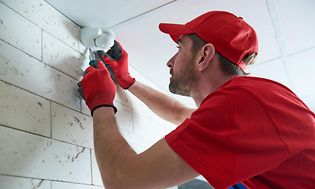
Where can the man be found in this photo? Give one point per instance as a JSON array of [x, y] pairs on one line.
[[246, 130]]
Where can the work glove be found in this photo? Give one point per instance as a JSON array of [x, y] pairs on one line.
[[117, 59], [97, 88]]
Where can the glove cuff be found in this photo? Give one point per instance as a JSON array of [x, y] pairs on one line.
[[126, 81], [101, 100], [103, 105]]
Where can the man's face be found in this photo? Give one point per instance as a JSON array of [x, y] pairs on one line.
[[182, 68]]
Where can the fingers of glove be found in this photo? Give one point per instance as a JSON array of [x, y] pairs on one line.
[[111, 72], [103, 56], [119, 45], [100, 54], [98, 64], [93, 63], [89, 70], [108, 60], [123, 52], [101, 65], [115, 51], [92, 72], [123, 58]]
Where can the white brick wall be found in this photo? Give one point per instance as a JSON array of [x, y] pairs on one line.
[[47, 18], [46, 138], [17, 183], [61, 56], [15, 28], [32, 111], [71, 126]]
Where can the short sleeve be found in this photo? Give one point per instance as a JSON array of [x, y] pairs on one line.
[[228, 139]]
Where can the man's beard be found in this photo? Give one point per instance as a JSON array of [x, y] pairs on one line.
[[182, 83]]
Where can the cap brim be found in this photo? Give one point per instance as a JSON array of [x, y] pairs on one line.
[[174, 30]]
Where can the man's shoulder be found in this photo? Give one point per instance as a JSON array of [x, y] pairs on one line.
[[243, 81], [255, 86], [240, 89]]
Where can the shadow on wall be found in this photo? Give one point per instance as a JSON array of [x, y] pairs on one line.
[[72, 30], [123, 95]]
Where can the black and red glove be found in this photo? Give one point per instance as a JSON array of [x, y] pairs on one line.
[[117, 59], [97, 87]]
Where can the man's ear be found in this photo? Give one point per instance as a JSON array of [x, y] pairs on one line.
[[206, 56]]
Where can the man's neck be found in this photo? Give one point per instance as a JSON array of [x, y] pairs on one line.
[[205, 87]]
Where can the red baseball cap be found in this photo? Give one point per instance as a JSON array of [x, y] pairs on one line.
[[232, 37]]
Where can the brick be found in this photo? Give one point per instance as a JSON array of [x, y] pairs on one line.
[[28, 73], [82, 48], [62, 185], [62, 57], [23, 110], [47, 18], [127, 99], [28, 155], [146, 127], [96, 175], [19, 32], [8, 182], [71, 126], [124, 117]]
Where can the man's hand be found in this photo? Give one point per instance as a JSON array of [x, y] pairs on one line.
[[97, 87], [117, 59]]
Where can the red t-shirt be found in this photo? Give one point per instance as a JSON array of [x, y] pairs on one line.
[[250, 130]]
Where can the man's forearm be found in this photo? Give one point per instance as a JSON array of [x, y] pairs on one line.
[[161, 104], [111, 149]]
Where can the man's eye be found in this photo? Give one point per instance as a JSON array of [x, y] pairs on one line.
[[177, 46]]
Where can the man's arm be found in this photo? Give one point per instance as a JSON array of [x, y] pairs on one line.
[[120, 167], [161, 104]]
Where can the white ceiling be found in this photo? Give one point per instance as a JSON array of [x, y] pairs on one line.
[[285, 30], [105, 13]]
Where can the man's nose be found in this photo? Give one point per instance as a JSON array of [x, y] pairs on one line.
[[171, 61]]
